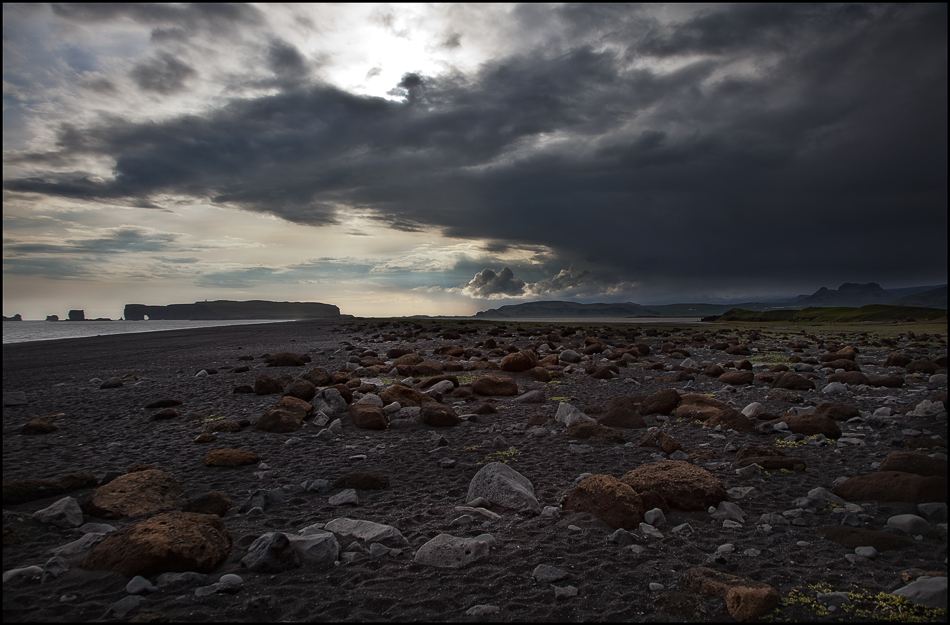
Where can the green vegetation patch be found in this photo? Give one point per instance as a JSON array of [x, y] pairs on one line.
[[864, 605], [500, 456]]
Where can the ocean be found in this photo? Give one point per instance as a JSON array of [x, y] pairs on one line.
[[23, 331]]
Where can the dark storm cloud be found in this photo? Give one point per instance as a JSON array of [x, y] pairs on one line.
[[120, 240], [188, 18], [164, 74], [777, 142]]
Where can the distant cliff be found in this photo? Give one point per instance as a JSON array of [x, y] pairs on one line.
[[227, 309]]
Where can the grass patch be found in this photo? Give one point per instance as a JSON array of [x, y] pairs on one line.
[[500, 456], [865, 606]]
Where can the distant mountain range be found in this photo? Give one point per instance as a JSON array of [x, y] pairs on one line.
[[847, 295]]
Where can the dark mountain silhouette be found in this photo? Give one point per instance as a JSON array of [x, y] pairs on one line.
[[934, 298], [848, 294]]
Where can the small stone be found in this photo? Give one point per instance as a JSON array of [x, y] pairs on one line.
[[346, 497], [655, 587], [866, 552], [545, 573], [482, 610], [650, 531], [565, 591], [138, 584]]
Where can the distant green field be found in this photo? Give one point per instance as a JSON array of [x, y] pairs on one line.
[[876, 313]]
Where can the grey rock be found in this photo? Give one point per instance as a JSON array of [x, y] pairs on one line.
[[316, 486], [928, 591], [87, 542], [138, 584], [835, 599], [728, 510], [346, 497], [570, 356], [909, 523], [546, 574], [621, 537], [935, 512], [179, 581], [650, 531], [531, 397], [866, 552], [655, 517], [24, 574], [316, 547], [482, 610], [271, 553], [447, 551], [500, 484], [53, 568], [564, 591], [367, 532], [64, 513], [568, 414], [123, 606], [96, 528]]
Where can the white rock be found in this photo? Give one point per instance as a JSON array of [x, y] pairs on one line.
[[568, 414]]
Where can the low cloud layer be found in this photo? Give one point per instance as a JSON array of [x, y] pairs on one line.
[[653, 153]]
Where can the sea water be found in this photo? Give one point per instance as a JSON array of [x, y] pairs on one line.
[[23, 331]]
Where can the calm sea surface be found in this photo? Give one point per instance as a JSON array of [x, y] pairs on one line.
[[22, 331]]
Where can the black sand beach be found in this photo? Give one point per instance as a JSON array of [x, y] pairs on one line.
[[107, 431]]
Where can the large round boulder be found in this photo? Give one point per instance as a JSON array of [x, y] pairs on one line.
[[495, 384], [681, 485], [135, 494], [607, 498]]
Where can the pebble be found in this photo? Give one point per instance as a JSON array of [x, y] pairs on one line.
[[564, 591], [545, 573], [482, 610], [866, 552], [655, 587], [138, 584], [729, 524]]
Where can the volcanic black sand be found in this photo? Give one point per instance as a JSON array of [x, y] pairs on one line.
[[104, 431]]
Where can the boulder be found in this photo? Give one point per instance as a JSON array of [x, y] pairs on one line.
[[887, 381], [22, 491], [596, 431], [439, 415], [658, 438], [681, 485], [279, 421], [737, 378], [230, 458], [168, 542], [792, 382], [893, 486], [519, 361], [286, 359], [317, 377], [926, 591], [898, 360], [38, 425], [662, 402], [495, 384], [302, 389], [609, 499], [623, 412], [731, 419], [266, 385], [451, 552], [836, 412], [134, 494], [746, 600], [64, 513], [810, 424], [405, 396], [539, 373], [503, 486], [366, 416], [300, 407], [700, 407], [918, 464]]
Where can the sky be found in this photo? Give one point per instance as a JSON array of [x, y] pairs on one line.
[[445, 159]]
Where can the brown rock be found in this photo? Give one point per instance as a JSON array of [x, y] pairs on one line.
[[408, 359], [439, 415], [165, 543], [519, 361], [853, 537], [485, 408], [623, 413], [286, 359], [425, 368], [438, 378], [898, 360], [854, 378], [205, 437], [893, 486], [758, 451], [918, 464], [847, 365], [304, 390], [713, 371], [538, 419], [362, 480], [836, 412], [737, 378], [450, 350], [266, 385], [230, 458], [659, 438], [662, 402], [589, 429], [921, 365], [405, 396], [279, 421], [700, 407], [750, 604], [739, 350], [318, 377], [610, 500], [368, 416], [681, 485], [495, 384], [243, 388], [774, 463], [134, 494], [810, 424], [38, 425], [793, 382], [731, 420], [539, 373], [781, 394], [22, 491], [887, 381], [165, 414], [210, 503], [746, 600]]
